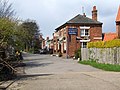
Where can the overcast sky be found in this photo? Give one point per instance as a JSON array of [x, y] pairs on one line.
[[50, 14]]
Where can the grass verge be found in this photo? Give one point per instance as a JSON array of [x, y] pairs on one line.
[[106, 67]]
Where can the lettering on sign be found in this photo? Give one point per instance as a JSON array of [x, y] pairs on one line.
[[72, 31]]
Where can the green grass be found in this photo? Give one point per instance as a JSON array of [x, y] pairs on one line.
[[106, 67]]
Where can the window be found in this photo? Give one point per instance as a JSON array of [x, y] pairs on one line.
[[84, 31], [84, 45]]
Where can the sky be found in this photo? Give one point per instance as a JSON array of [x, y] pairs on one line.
[[50, 14]]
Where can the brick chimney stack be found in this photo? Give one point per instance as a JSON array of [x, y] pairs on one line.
[[94, 13], [47, 38], [84, 14], [118, 23]]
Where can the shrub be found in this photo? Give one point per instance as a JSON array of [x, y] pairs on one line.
[[78, 54], [103, 44], [60, 54]]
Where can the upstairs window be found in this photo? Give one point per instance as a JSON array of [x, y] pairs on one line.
[[84, 31]]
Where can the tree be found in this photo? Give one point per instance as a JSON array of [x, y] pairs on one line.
[[7, 30], [6, 10], [7, 38], [31, 31], [7, 23]]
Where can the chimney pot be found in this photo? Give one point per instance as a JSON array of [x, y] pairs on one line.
[[94, 8], [47, 38]]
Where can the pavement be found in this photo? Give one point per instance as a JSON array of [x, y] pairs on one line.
[[45, 72]]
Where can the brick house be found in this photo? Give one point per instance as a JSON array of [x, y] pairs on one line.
[[46, 43], [49, 43], [116, 35], [42, 41], [76, 33]]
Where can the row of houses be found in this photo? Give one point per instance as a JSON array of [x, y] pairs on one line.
[[78, 31]]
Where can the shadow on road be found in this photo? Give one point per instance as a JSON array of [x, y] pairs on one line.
[[32, 75], [35, 64], [35, 59]]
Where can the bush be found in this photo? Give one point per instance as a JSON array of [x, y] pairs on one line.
[[78, 54], [103, 44], [60, 54]]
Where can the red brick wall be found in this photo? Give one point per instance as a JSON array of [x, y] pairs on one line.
[[118, 29], [73, 45], [95, 31]]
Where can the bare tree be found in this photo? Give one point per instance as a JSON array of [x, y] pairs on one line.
[[6, 10]]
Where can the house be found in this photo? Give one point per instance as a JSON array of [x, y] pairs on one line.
[[76, 33], [116, 35], [49, 43], [42, 41], [46, 43]]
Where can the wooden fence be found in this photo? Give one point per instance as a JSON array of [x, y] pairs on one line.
[[102, 55]]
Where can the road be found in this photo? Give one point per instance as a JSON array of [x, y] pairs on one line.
[[45, 72]]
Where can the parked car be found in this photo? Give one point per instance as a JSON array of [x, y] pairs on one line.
[[36, 51], [43, 51]]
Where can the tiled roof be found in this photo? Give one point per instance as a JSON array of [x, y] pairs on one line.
[[118, 15], [82, 20], [109, 36]]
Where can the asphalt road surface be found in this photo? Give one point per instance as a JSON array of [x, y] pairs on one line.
[[45, 72]]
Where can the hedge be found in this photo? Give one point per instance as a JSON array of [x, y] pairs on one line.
[[104, 44]]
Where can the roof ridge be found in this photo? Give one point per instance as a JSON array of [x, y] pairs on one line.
[[74, 17], [82, 17], [81, 20]]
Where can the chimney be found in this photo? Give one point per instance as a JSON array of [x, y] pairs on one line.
[[84, 14], [118, 23], [47, 38], [94, 13]]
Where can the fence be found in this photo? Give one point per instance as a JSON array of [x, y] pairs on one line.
[[101, 55]]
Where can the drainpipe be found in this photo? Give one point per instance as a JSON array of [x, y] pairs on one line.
[[67, 48]]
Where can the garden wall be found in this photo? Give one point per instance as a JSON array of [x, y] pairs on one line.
[[102, 55]]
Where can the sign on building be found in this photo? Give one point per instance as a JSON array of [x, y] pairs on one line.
[[72, 31]]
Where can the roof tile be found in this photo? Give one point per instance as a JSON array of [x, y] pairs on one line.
[[109, 36], [80, 19], [118, 15]]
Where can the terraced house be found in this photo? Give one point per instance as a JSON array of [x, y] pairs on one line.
[[76, 33]]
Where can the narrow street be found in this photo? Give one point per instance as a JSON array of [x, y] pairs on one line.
[[45, 72]]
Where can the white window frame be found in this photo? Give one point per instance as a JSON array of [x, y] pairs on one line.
[[83, 29], [64, 46], [82, 46]]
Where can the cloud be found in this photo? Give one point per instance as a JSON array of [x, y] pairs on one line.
[[51, 13]]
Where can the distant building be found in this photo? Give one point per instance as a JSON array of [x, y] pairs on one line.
[[76, 33], [49, 43], [42, 41], [116, 35]]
